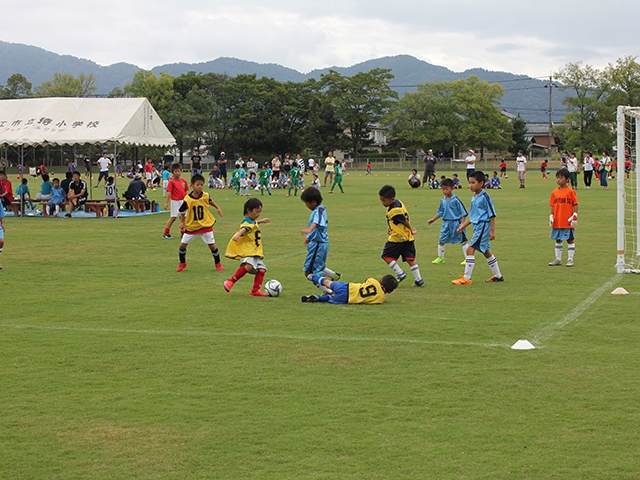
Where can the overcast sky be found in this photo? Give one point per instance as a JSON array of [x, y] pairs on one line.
[[528, 37]]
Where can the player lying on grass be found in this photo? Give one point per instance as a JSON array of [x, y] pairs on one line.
[[372, 291]]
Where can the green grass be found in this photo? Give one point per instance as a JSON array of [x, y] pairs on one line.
[[115, 366]]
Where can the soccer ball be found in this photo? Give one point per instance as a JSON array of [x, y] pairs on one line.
[[38, 211], [273, 288]]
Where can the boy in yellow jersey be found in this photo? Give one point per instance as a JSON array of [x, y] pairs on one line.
[[246, 246], [370, 292], [197, 221], [401, 241]]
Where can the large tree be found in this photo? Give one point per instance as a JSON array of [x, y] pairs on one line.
[[66, 85], [588, 123], [359, 101], [518, 135], [17, 87], [624, 80]]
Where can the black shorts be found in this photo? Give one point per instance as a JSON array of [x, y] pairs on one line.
[[103, 174], [395, 250]]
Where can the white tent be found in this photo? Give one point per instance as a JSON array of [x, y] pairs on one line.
[[70, 121]]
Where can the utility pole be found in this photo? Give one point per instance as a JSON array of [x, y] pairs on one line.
[[550, 86]]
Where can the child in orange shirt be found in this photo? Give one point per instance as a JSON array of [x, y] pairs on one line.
[[564, 217]]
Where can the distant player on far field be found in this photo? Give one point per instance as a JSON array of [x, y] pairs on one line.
[[453, 213], [564, 217]]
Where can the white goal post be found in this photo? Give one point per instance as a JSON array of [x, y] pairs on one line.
[[627, 179]]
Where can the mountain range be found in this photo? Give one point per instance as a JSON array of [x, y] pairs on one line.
[[524, 95]]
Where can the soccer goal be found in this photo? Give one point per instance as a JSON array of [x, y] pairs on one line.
[[627, 178]]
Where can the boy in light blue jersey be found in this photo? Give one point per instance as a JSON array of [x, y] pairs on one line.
[[483, 218], [317, 238], [166, 175], [57, 199], [453, 212]]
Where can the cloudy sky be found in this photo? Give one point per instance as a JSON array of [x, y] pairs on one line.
[[528, 37]]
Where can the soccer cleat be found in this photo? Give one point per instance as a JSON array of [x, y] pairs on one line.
[[418, 283], [438, 260], [228, 284], [555, 263], [181, 267], [257, 293], [68, 215], [569, 263], [462, 281], [309, 298], [167, 236], [494, 279], [402, 276], [463, 262], [219, 267], [337, 276]]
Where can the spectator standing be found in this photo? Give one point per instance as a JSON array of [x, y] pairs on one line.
[[605, 168], [429, 165], [471, 163], [222, 165], [196, 163], [587, 167], [573, 167], [521, 167], [329, 164]]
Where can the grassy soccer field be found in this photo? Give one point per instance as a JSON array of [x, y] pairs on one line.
[[115, 366]]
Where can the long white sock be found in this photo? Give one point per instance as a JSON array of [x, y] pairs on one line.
[[493, 265], [48, 209], [571, 249], [416, 272], [558, 250], [329, 273], [441, 250], [324, 289], [395, 267], [468, 267], [57, 208], [464, 248]]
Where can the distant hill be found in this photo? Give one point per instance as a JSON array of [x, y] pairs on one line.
[[522, 94]]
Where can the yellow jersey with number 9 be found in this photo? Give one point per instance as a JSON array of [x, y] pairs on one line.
[[248, 245], [198, 217], [368, 292]]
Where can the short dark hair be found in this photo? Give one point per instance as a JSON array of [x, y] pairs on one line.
[[75, 172], [311, 195], [45, 177], [478, 175], [24, 181], [446, 182], [389, 283], [55, 180], [387, 191], [110, 179], [563, 172], [196, 177], [175, 166], [251, 204], [68, 175]]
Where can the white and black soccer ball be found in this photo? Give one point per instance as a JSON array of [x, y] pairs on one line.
[[273, 288], [38, 211]]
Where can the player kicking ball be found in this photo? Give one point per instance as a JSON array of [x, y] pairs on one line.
[[370, 292]]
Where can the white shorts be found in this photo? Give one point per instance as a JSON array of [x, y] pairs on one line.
[[255, 262], [148, 175], [164, 184], [207, 238], [40, 196], [175, 207]]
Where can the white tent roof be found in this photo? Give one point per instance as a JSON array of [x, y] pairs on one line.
[[68, 121]]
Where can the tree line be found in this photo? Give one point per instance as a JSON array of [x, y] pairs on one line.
[[261, 116]]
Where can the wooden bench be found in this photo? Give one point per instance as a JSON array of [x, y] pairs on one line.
[[97, 206], [137, 205]]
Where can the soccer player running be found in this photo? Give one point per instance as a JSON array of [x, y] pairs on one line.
[[483, 218], [564, 217], [197, 221], [401, 240]]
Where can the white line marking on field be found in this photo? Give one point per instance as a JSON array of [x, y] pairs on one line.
[[253, 335], [547, 332]]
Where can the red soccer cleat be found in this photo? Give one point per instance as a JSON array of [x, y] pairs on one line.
[[181, 267], [257, 293], [228, 285], [219, 267]]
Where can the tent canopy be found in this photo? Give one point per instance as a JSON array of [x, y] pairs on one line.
[[69, 121]]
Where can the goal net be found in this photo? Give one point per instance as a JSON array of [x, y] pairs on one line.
[[627, 178]]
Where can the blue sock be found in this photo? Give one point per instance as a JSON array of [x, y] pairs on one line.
[[324, 298], [317, 279]]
